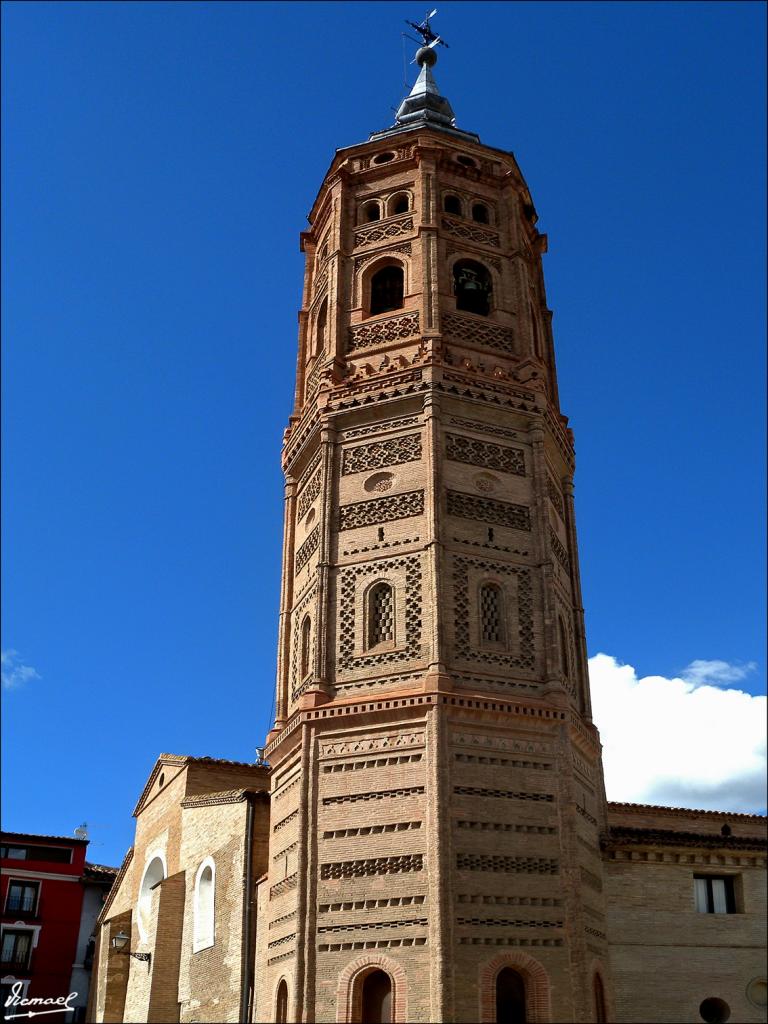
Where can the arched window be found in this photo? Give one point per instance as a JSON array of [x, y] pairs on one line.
[[154, 873], [204, 928], [510, 998], [472, 287], [281, 1003], [371, 211], [322, 322], [452, 204], [399, 204], [381, 614], [387, 290], [480, 213], [491, 614], [306, 633], [562, 639], [536, 335], [377, 998], [599, 992]]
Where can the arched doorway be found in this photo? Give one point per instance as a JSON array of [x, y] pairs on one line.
[[510, 997], [376, 998]]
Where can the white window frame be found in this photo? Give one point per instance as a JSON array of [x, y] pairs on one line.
[[13, 880], [204, 938], [144, 904]]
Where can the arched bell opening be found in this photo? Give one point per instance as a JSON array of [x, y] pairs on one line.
[[473, 287]]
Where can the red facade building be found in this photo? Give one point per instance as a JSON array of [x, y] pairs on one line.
[[50, 897]]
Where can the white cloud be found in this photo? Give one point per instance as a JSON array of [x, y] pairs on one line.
[[716, 672], [681, 742], [14, 672]]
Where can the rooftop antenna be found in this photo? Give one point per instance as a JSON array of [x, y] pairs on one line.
[[81, 832]]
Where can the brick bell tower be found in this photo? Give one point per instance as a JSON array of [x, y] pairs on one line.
[[437, 793]]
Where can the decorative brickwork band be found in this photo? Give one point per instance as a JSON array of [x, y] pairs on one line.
[[308, 548], [555, 497], [378, 454], [382, 232], [381, 510], [484, 453], [508, 865], [478, 334], [308, 495], [380, 332], [537, 994], [349, 1002], [314, 378], [489, 510], [373, 866], [559, 551], [469, 233]]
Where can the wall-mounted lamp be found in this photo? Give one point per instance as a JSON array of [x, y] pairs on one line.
[[120, 941]]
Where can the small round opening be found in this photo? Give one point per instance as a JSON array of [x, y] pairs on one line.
[[383, 158], [715, 1011], [466, 161], [757, 993]]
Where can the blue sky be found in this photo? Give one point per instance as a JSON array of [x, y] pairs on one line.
[[159, 163]]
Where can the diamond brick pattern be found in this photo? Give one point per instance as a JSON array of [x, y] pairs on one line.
[[517, 865], [379, 454], [413, 610], [382, 232], [309, 494], [488, 510], [485, 453], [478, 334], [381, 510], [380, 332], [308, 548], [490, 614], [373, 866], [382, 614]]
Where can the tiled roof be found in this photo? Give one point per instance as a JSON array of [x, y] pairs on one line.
[[191, 758], [622, 835], [225, 796], [100, 872], [181, 760], [612, 804]]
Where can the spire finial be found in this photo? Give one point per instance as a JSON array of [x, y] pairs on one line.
[[424, 105], [429, 40]]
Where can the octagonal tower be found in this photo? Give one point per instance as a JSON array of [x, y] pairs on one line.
[[437, 793]]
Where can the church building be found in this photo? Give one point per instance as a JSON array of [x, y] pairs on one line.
[[427, 838]]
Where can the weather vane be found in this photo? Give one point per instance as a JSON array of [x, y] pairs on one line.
[[429, 39]]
